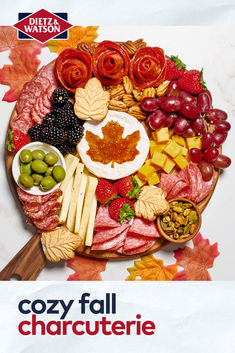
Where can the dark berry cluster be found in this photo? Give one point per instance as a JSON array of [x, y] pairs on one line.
[[60, 128]]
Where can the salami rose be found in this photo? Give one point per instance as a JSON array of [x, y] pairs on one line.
[[148, 68], [73, 69], [110, 63]]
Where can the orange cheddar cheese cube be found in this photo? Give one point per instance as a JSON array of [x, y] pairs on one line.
[[159, 159], [139, 181], [162, 134], [145, 172], [168, 166], [173, 149], [154, 179], [194, 142], [178, 139], [181, 161]]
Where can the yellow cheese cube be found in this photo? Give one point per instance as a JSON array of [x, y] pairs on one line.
[[173, 149], [184, 151], [162, 134], [159, 159], [168, 166], [154, 146], [181, 161], [139, 181], [178, 139], [194, 142], [145, 172], [148, 161], [154, 179]]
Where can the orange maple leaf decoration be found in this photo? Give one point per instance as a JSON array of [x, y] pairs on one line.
[[151, 269], [196, 261], [77, 34], [86, 269], [24, 67], [112, 148], [9, 41]]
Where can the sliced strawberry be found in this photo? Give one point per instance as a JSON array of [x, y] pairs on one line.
[[128, 187], [192, 82], [105, 191], [175, 68], [16, 140], [121, 209]]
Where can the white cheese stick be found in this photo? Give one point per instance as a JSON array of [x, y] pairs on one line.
[[73, 202], [90, 192], [66, 201], [80, 201], [71, 164], [90, 228]]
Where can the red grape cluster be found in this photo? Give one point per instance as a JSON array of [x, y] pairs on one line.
[[188, 115]]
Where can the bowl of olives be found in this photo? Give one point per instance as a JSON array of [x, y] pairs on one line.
[[38, 168]]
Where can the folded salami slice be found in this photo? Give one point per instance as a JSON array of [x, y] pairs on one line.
[[144, 227], [103, 219], [107, 234], [112, 244], [148, 244], [31, 206], [48, 223], [134, 241], [44, 210]]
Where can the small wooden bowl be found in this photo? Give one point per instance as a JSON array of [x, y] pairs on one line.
[[199, 222]]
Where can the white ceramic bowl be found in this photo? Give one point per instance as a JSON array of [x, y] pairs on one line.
[[35, 190]]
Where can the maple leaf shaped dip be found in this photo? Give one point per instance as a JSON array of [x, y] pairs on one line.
[[115, 147]]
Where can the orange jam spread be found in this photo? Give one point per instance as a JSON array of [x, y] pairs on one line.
[[112, 147]]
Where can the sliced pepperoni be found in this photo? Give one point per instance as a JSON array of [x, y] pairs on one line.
[[108, 234], [144, 227], [48, 223]]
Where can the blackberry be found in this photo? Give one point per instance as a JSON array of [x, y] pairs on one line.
[[66, 147], [63, 119], [75, 134], [53, 135], [49, 119], [35, 132], [60, 97]]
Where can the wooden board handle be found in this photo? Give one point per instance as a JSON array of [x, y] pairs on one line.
[[28, 263]]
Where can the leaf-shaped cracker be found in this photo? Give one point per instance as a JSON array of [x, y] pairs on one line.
[[59, 244], [86, 269], [196, 261], [91, 102], [151, 203], [23, 69], [151, 269], [77, 34]]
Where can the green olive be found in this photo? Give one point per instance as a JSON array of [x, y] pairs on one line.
[[39, 167], [26, 168], [26, 180], [49, 171], [47, 183], [38, 154], [25, 156], [58, 173], [37, 178], [51, 158]]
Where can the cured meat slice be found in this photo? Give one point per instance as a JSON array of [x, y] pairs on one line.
[[40, 106], [133, 242], [31, 206], [181, 188], [144, 227], [148, 244], [22, 122], [48, 72], [206, 188], [42, 82], [26, 197], [103, 219], [107, 234], [46, 207], [113, 244], [48, 223], [46, 101], [37, 118]]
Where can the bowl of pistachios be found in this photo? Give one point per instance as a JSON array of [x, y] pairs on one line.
[[181, 222]]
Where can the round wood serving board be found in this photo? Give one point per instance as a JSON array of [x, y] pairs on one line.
[[30, 260]]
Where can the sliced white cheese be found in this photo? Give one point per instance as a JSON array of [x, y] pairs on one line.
[[66, 201], [80, 201], [90, 228], [71, 164], [73, 202], [90, 192]]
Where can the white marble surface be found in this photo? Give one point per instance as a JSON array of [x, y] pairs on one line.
[[210, 47]]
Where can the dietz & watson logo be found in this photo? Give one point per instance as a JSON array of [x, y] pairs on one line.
[[42, 25]]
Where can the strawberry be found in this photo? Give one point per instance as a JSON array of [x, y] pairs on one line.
[[121, 209], [105, 191], [16, 140], [174, 68], [192, 82], [128, 187]]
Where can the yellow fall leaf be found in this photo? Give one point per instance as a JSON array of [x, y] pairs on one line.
[[151, 269], [77, 34]]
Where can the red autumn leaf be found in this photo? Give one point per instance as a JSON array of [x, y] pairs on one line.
[[9, 41], [196, 261], [86, 269], [24, 67]]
